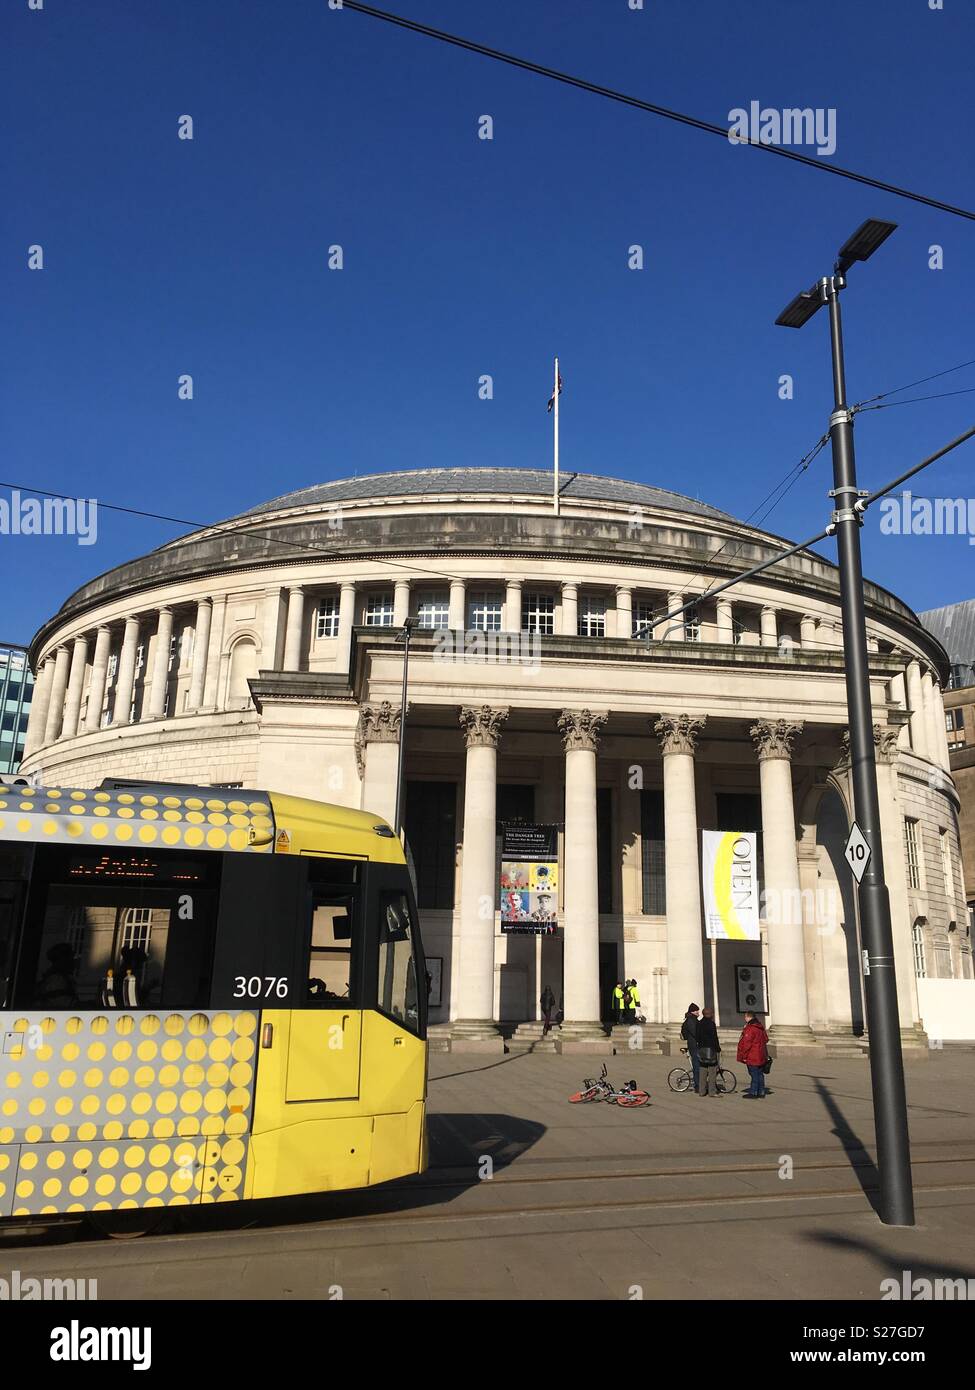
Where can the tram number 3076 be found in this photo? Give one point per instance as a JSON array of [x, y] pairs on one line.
[[260, 986]]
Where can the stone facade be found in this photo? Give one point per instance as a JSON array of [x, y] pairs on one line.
[[264, 652]]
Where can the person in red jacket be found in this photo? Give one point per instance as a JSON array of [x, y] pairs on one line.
[[753, 1051]]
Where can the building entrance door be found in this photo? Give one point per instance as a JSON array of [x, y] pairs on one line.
[[608, 975]]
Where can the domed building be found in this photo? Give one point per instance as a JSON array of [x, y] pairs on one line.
[[267, 652]]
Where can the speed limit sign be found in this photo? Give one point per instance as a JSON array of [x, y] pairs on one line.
[[856, 852]]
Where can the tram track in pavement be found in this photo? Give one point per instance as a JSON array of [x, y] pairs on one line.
[[426, 1202]]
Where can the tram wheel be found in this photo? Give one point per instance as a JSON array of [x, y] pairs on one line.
[[130, 1224]]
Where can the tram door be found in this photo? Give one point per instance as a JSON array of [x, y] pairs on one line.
[[325, 1040]]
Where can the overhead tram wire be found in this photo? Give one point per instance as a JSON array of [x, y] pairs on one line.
[[911, 400], [693, 121], [896, 390]]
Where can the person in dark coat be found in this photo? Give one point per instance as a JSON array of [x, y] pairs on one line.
[[708, 1051], [688, 1031], [753, 1051], [548, 1004]]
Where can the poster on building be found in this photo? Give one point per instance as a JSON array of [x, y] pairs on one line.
[[729, 869], [529, 886]]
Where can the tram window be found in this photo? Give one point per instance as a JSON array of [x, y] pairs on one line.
[[330, 954], [397, 968], [119, 930]]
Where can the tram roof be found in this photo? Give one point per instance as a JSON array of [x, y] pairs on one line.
[[166, 815]]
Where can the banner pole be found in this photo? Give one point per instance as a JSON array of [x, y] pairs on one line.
[[555, 422]]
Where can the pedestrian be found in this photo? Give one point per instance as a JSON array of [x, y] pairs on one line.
[[627, 1004], [708, 1052], [753, 1051], [688, 1031], [634, 1001], [548, 1004], [618, 1003]]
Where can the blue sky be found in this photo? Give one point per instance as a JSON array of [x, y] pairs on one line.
[[466, 257]]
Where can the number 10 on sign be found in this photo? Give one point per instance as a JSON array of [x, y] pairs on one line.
[[857, 852]]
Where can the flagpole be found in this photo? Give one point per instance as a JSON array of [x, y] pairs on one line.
[[555, 415]]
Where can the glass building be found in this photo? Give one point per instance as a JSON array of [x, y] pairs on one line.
[[16, 689]]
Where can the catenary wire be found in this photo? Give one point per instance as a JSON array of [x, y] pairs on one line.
[[695, 122]]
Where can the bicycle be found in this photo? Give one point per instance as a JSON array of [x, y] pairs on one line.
[[600, 1088], [682, 1079]]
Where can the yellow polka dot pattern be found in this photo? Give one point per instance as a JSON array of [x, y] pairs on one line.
[[193, 820], [168, 1126]]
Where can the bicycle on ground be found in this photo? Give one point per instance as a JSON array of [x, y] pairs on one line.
[[600, 1088]]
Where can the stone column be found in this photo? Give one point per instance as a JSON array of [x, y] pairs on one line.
[[59, 685], [474, 1026], [624, 611], [76, 685], [726, 624], [570, 610], [581, 731], [807, 632], [673, 629], [930, 716], [895, 873], [201, 643], [678, 734], [214, 648], [770, 626], [294, 628], [39, 706], [457, 614], [125, 678], [512, 606], [160, 664], [377, 755], [898, 693], [943, 756], [271, 630], [96, 686], [915, 697], [346, 623], [788, 998], [401, 602]]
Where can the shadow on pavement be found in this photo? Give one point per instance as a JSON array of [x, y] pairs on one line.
[[464, 1150], [892, 1266], [860, 1161]]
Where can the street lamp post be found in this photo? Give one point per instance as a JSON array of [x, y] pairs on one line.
[[403, 636], [880, 984]]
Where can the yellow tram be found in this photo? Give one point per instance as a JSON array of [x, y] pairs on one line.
[[206, 995]]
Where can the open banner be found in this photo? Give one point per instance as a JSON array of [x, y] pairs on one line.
[[729, 864]]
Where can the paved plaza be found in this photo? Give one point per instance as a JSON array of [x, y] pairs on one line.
[[529, 1197]]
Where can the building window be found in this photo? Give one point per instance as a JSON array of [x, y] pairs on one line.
[[433, 609], [140, 657], [692, 626], [379, 609], [136, 928], [946, 870], [592, 616], [327, 617], [112, 665], [643, 616], [484, 613], [538, 614], [737, 631], [913, 856], [172, 651], [653, 853], [955, 727], [920, 970]]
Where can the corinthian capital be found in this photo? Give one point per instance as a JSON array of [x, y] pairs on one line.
[[581, 729], [679, 733], [481, 725], [773, 737], [884, 746]]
